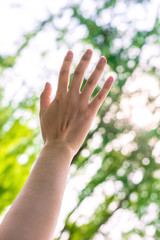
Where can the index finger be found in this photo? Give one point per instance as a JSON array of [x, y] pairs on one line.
[[64, 73]]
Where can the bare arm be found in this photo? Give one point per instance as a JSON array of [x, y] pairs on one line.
[[35, 211], [65, 122]]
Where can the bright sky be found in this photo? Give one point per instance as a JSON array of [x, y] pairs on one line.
[[17, 18]]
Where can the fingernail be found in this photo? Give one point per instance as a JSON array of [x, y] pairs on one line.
[[103, 60], [46, 84], [110, 79], [89, 51], [69, 53]]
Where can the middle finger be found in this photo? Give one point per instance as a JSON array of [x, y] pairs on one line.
[[80, 71]]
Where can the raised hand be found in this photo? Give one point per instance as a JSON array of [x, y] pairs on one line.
[[67, 119]]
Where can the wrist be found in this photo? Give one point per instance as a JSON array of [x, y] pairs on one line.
[[61, 148]]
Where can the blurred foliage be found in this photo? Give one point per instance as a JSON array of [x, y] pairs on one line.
[[17, 141], [119, 162]]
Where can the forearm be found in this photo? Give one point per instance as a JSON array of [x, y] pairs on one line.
[[35, 211]]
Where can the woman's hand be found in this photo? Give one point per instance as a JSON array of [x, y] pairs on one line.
[[67, 119]]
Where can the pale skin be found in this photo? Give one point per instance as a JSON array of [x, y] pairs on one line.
[[65, 122]]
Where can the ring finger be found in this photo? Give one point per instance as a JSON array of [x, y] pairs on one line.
[[93, 79], [80, 71]]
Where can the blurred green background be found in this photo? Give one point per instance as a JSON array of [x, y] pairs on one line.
[[113, 187]]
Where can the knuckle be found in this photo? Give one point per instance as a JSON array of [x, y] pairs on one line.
[[63, 71], [90, 81], [99, 67], [85, 58], [71, 93], [67, 58], [106, 87], [58, 96], [77, 72], [82, 110], [84, 114], [57, 100], [100, 96]]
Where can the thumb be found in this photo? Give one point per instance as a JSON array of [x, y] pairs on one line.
[[45, 97]]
